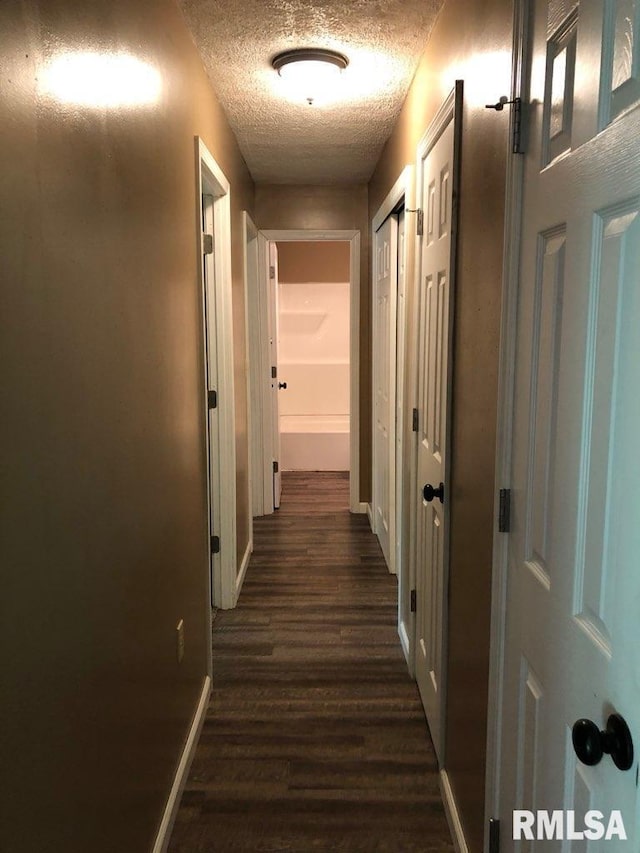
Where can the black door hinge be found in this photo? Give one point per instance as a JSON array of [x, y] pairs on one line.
[[276, 467], [207, 244], [272, 271], [212, 399], [504, 511], [215, 544], [516, 146], [516, 103], [494, 835], [414, 600], [414, 421]]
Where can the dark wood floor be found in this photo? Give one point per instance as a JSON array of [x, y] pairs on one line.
[[315, 739]]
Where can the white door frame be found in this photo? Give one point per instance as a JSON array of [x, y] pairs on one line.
[[506, 378], [253, 315], [250, 276], [260, 359], [403, 191], [379, 339], [262, 345], [212, 181], [274, 361]]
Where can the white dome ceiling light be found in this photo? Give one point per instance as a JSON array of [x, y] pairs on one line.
[[310, 73]]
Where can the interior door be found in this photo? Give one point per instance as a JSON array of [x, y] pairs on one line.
[[399, 386], [213, 424], [273, 344], [572, 638], [254, 302], [386, 253], [436, 170]]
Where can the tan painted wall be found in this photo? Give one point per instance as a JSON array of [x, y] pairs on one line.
[[471, 41], [328, 208], [313, 262], [103, 530]]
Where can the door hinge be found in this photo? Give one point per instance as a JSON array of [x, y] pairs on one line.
[[517, 126], [504, 511], [516, 103], [215, 544], [212, 399], [276, 467], [414, 600], [207, 244], [272, 271], [414, 421], [494, 835]]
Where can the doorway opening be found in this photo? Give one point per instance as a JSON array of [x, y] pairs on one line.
[[308, 402], [313, 355]]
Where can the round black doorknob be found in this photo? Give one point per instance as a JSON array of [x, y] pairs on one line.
[[282, 385], [587, 741], [590, 744], [429, 493]]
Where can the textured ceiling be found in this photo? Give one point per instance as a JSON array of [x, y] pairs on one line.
[[285, 140]]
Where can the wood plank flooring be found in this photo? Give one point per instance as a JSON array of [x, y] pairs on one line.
[[315, 739]]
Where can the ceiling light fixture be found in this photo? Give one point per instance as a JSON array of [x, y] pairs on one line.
[[310, 71]]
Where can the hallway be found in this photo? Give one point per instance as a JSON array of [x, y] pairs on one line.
[[315, 738]]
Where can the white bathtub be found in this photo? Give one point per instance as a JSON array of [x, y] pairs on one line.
[[314, 442]]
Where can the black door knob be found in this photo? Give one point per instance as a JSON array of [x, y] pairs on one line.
[[282, 385], [590, 744], [429, 493]]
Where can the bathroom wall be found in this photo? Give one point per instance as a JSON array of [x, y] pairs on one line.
[[314, 355]]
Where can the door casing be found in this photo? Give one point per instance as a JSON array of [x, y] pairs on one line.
[[259, 349], [402, 195], [383, 452], [254, 364], [223, 581], [274, 362]]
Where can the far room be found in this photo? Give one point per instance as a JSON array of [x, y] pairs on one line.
[[313, 355]]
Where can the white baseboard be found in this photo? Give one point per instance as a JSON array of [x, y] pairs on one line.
[[243, 568], [362, 507], [404, 642], [370, 517], [182, 771], [453, 815]]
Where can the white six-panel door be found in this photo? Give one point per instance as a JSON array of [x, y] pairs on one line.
[[573, 589], [436, 249], [384, 366]]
